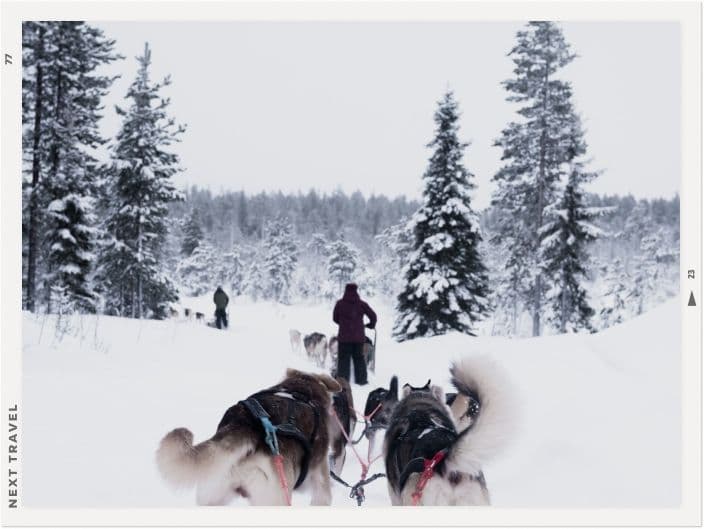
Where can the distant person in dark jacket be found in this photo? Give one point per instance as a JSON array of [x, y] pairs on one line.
[[221, 300], [349, 314]]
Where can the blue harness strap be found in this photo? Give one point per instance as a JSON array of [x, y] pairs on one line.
[[288, 430], [269, 429]]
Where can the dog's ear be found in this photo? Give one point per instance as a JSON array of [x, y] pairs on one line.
[[393, 388], [406, 391], [438, 393], [427, 385], [330, 383], [293, 373]]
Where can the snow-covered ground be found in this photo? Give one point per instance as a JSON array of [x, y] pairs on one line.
[[599, 414]]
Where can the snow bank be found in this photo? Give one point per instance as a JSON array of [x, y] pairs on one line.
[[599, 415]]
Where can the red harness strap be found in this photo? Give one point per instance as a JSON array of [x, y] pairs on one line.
[[279, 464], [428, 469]]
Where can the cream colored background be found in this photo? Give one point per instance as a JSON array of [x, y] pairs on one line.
[[688, 14]]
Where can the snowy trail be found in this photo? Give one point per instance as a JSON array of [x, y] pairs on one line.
[[600, 414]]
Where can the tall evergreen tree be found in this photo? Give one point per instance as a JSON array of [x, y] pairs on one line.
[[231, 271], [534, 150], [62, 92], [565, 235], [280, 258], [342, 262], [192, 234], [614, 308], [446, 282], [132, 260], [198, 272]]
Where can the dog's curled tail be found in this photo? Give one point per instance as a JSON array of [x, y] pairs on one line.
[[481, 378], [179, 462], [182, 464]]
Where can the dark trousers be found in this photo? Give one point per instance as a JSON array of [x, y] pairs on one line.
[[220, 318], [354, 352]]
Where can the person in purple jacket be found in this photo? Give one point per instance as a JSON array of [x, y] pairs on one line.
[[349, 314]]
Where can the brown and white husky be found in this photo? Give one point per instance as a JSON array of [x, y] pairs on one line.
[[237, 461]]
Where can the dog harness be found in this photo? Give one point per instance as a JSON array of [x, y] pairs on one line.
[[427, 466], [287, 429], [423, 448], [427, 442]]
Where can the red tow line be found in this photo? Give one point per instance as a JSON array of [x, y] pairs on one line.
[[279, 464], [428, 470]]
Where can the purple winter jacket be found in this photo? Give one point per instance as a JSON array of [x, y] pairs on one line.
[[349, 314]]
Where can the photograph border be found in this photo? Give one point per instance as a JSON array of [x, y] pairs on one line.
[[687, 14]]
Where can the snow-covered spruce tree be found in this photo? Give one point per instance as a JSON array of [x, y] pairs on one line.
[[638, 225], [61, 109], [647, 288], [507, 295], [343, 258], [446, 284], [197, 272], [192, 234], [614, 309], [280, 259], [311, 273], [534, 151], [393, 246], [230, 272], [132, 269], [253, 283], [567, 231]]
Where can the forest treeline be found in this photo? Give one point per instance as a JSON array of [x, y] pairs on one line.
[[117, 236]]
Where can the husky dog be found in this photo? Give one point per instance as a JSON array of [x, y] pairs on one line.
[[332, 351], [466, 436], [237, 461], [382, 402], [316, 346], [343, 405], [368, 350], [200, 316], [407, 388], [295, 338]]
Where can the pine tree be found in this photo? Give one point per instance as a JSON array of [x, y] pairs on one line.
[[394, 245], [61, 110], [198, 271], [232, 271], [645, 288], [567, 231], [254, 280], [446, 282], [534, 150], [614, 308], [280, 258], [311, 275], [142, 189], [342, 262], [192, 234], [510, 287]]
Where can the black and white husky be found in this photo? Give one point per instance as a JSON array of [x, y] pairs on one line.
[[461, 438], [380, 405]]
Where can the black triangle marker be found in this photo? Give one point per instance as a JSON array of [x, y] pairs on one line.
[[691, 303]]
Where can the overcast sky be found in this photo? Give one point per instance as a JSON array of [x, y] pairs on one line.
[[328, 105]]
